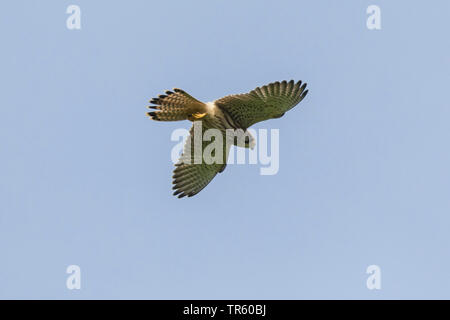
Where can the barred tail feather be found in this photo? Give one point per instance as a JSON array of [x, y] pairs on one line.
[[174, 106]]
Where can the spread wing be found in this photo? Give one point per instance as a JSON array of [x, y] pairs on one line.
[[263, 103], [200, 161]]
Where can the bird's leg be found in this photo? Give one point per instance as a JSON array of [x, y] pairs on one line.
[[196, 116]]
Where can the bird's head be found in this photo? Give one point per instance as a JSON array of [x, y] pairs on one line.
[[244, 139]]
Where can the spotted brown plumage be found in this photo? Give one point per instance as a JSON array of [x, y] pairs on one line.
[[238, 111]]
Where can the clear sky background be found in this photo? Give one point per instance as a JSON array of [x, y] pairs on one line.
[[85, 177]]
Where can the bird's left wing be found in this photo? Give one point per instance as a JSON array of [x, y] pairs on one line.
[[263, 103], [200, 161]]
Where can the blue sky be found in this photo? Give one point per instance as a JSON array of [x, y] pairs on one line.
[[364, 160]]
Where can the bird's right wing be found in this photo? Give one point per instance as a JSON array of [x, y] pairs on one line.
[[263, 103], [199, 163]]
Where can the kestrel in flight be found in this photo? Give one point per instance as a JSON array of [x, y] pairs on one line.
[[238, 111]]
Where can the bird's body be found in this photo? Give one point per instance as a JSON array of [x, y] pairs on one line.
[[234, 112]]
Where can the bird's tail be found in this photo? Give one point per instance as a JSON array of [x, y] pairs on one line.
[[176, 105]]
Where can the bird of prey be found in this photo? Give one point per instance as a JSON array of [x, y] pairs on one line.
[[238, 111]]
